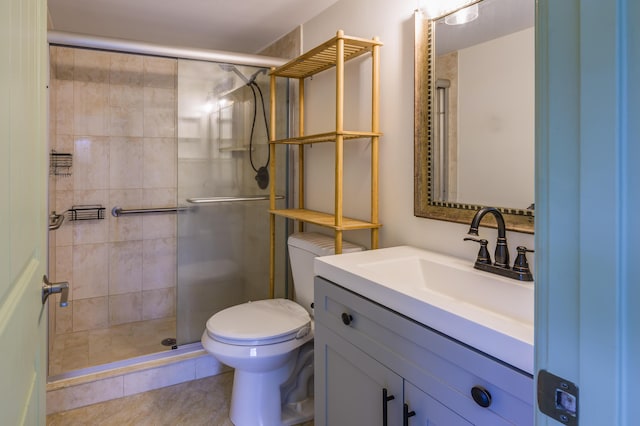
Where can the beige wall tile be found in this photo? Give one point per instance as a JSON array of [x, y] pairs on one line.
[[91, 163], [125, 163], [159, 98], [159, 122], [160, 225], [126, 96], [99, 101], [159, 263], [90, 271], [64, 267], [159, 197], [64, 143], [125, 308], [90, 108], [125, 228], [91, 231], [160, 163], [91, 66], [89, 314], [125, 267], [158, 303], [126, 121], [64, 234], [63, 62], [126, 70], [64, 318], [64, 111], [160, 72], [64, 200]]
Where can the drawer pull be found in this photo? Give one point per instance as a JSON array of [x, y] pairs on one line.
[[385, 398], [346, 318], [481, 396], [406, 414]]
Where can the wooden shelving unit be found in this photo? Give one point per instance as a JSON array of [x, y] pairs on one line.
[[331, 54]]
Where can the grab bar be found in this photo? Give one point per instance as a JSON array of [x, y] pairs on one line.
[[212, 200], [119, 211]]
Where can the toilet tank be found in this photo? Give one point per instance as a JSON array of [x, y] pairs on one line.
[[303, 248]]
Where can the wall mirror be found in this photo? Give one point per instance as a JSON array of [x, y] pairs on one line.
[[474, 112]]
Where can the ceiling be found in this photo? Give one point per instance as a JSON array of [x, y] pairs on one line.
[[244, 26]]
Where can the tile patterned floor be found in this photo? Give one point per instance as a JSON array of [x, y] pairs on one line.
[[84, 349], [199, 402]]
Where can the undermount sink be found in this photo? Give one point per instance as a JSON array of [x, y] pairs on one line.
[[488, 312]]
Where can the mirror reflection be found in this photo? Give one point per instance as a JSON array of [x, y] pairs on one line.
[[483, 151], [479, 122]]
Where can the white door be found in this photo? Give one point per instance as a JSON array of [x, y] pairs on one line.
[[23, 216], [587, 204]]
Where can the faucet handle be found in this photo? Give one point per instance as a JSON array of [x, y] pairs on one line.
[[483, 254], [521, 266]]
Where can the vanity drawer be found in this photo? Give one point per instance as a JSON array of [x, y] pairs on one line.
[[445, 369]]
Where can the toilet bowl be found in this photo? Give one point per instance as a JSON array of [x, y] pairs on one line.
[[269, 343]]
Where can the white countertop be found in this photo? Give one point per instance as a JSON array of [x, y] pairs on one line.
[[488, 312]]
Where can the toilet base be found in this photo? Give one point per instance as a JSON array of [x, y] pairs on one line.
[[255, 398], [296, 413]]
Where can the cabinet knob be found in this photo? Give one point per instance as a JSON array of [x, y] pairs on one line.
[[481, 396], [346, 318]]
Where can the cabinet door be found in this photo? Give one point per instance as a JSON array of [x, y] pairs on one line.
[[423, 410], [350, 385]]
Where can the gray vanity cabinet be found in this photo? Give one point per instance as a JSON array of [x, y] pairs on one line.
[[364, 351]]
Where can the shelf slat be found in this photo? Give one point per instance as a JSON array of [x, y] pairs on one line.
[[323, 57], [324, 219], [326, 137]]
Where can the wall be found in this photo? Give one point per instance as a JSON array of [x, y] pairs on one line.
[[393, 23], [116, 114]]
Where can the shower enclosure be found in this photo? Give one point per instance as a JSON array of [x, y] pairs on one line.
[[176, 145], [223, 238]]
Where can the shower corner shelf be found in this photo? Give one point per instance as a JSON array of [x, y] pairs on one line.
[[331, 54], [60, 163], [88, 212]]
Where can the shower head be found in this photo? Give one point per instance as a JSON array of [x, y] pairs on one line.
[[234, 69]]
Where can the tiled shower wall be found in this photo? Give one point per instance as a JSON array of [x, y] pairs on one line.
[[116, 113]]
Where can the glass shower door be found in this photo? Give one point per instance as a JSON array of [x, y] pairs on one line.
[[223, 246]]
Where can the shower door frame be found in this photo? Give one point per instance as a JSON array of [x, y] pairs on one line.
[[58, 38]]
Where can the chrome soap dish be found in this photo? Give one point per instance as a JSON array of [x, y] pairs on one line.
[[88, 212]]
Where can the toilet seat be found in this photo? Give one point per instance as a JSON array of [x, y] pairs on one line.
[[262, 322]]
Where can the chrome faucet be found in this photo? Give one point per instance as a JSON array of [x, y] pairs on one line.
[[520, 270]]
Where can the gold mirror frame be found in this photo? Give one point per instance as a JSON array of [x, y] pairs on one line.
[[516, 219]]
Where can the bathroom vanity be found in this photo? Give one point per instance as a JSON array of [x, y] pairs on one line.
[[377, 366]]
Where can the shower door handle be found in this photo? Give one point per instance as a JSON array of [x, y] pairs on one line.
[[216, 200], [49, 288]]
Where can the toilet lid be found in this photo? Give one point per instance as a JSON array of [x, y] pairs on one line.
[[259, 323]]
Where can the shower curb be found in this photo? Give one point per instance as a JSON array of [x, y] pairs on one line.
[[125, 378]]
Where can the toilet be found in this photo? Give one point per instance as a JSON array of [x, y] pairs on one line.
[[269, 343]]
